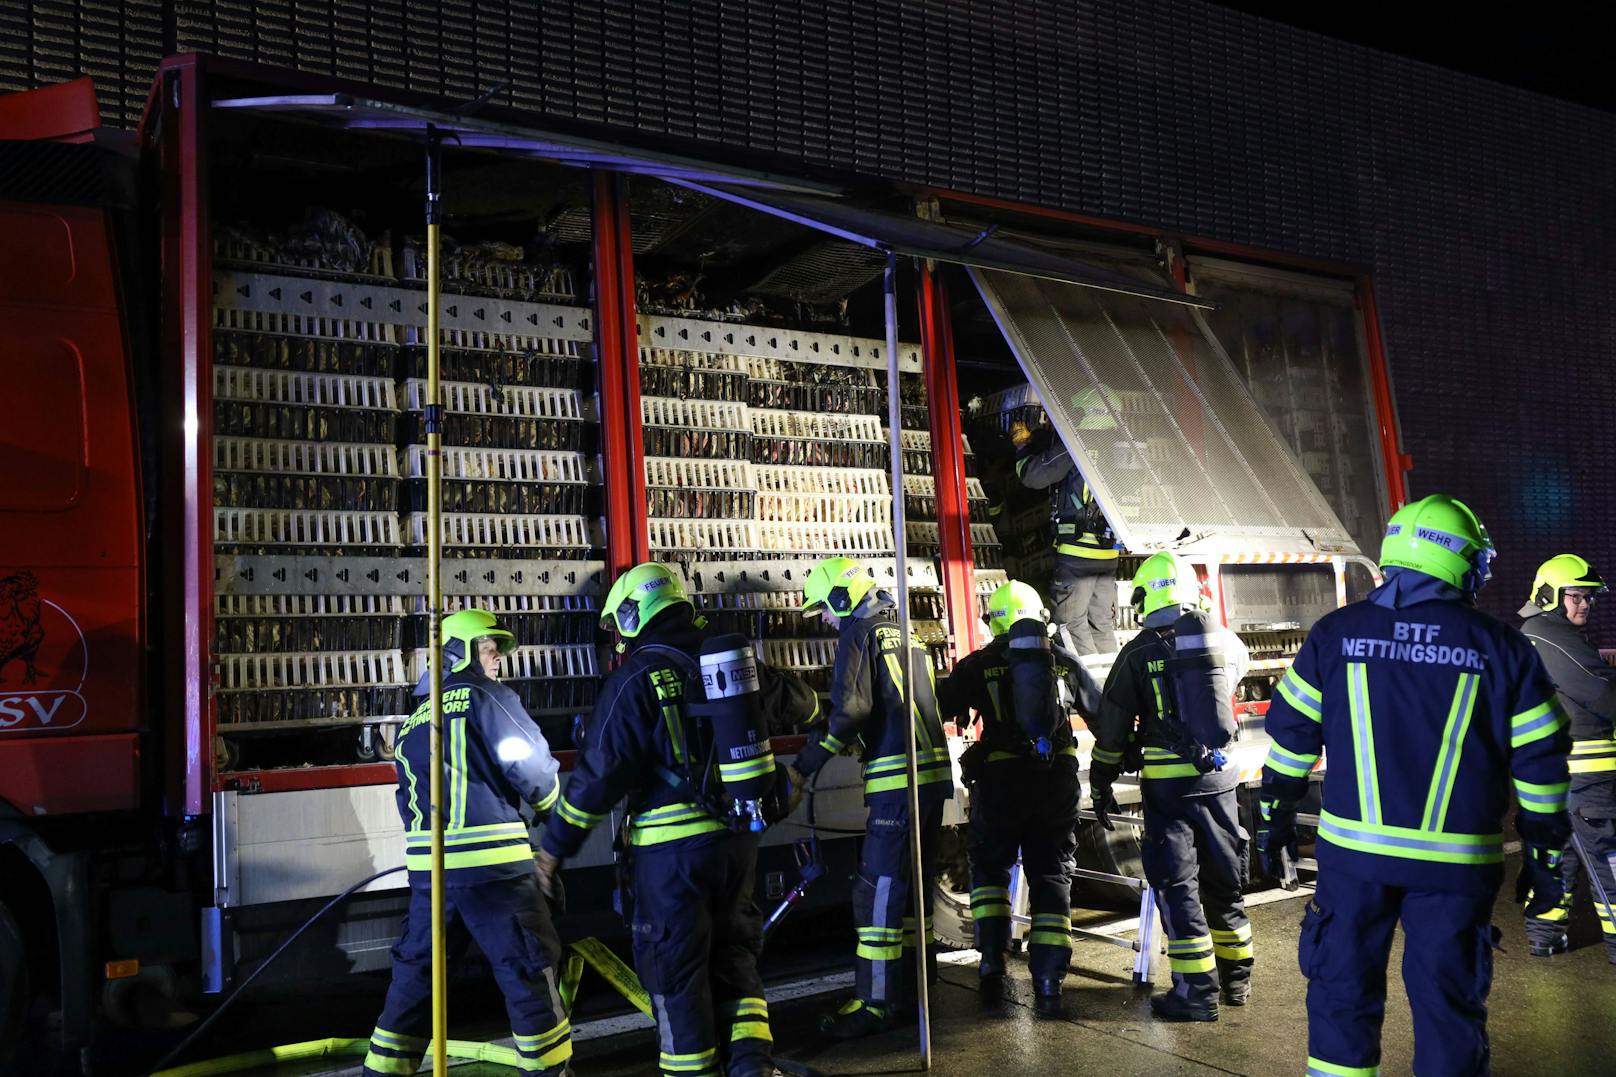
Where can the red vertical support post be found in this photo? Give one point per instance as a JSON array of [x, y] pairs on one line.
[[187, 471], [948, 463], [617, 350], [1392, 457]]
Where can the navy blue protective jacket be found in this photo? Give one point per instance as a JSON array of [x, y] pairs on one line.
[[977, 684], [635, 740], [496, 763], [866, 707], [1426, 709]]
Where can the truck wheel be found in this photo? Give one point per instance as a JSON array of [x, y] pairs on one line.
[[1115, 852], [951, 911], [13, 988], [951, 919]]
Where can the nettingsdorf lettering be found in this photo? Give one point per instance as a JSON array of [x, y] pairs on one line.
[[1413, 642]]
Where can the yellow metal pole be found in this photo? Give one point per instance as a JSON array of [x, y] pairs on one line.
[[434, 558]]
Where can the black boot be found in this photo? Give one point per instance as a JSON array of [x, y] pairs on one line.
[[855, 1019], [1046, 1000], [1547, 945], [1175, 1007], [1236, 992]]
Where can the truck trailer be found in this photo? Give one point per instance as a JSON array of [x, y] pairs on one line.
[[214, 568]]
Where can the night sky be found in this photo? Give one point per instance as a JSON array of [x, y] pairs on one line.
[[1561, 49]]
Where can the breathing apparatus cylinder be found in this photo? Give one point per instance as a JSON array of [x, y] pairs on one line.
[[1034, 695], [734, 707], [1201, 688]]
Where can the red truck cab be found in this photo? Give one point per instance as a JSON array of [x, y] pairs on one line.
[[70, 560], [72, 671]]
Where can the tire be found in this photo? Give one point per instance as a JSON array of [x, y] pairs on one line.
[[951, 919], [1115, 852], [951, 911], [14, 992]]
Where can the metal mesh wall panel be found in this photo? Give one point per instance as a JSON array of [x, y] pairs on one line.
[[1486, 212], [1173, 417]]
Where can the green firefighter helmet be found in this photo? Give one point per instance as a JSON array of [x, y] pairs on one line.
[[1442, 537], [838, 584], [467, 627], [1162, 581], [1014, 601], [1096, 408], [639, 595], [1559, 572]]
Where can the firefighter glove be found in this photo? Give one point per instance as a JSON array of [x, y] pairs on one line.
[[548, 866], [1276, 840], [1539, 886], [796, 787], [1101, 776]]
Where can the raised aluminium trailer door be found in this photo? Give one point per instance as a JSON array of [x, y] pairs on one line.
[[1167, 436]]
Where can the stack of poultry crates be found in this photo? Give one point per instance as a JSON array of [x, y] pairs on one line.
[[758, 466], [319, 452]]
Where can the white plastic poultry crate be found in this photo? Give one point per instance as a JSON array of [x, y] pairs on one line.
[[304, 527], [300, 388], [331, 669], [505, 530], [504, 465]]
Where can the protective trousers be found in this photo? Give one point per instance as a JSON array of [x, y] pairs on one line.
[[1447, 971], [1194, 856], [1083, 597], [884, 904], [1593, 828], [1031, 806], [511, 925], [697, 936]]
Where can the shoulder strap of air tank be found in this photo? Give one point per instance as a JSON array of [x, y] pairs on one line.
[[691, 669]]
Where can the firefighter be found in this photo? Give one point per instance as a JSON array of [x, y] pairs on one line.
[[1083, 587], [499, 768], [696, 930], [1194, 848], [1427, 708], [867, 709], [1022, 773], [1555, 617]]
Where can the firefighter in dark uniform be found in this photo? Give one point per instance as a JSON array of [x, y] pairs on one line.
[[498, 769], [1083, 590], [867, 710], [1022, 773], [697, 931], [1562, 600], [1427, 708], [1194, 849]]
